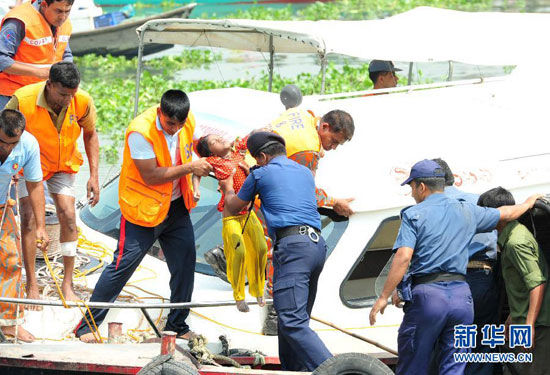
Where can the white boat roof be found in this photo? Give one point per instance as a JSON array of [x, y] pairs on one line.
[[423, 34]]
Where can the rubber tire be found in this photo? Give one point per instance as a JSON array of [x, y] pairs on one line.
[[166, 365], [352, 364], [177, 368]]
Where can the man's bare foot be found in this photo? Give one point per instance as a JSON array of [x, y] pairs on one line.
[[242, 306], [33, 293], [190, 335], [22, 333], [69, 293], [261, 301], [88, 338]]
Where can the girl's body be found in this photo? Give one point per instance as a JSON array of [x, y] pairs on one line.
[[245, 251]]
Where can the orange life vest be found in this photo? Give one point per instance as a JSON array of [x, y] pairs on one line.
[[144, 204], [298, 127], [58, 150], [38, 47]]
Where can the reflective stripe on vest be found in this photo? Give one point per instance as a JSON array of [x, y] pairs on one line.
[[299, 129], [58, 150], [39, 46], [144, 204]]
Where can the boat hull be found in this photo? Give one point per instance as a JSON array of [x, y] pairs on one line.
[[121, 40]]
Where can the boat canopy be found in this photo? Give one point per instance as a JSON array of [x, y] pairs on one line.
[[423, 34]]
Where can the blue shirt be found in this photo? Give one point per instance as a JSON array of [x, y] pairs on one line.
[[483, 245], [287, 191], [11, 35], [25, 155], [440, 229]]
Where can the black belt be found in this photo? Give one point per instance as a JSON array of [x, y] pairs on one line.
[[304, 230], [435, 277]]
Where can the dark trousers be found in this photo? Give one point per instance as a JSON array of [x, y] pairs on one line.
[[177, 240], [485, 295], [429, 320], [541, 359], [298, 262]]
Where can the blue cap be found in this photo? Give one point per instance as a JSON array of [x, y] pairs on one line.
[[382, 66], [425, 169]]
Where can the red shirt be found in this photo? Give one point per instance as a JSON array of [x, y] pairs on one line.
[[224, 166]]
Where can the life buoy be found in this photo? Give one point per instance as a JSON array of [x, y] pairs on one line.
[[352, 364], [166, 365]]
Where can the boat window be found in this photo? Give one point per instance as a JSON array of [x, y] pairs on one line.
[[362, 284], [332, 231], [105, 218]]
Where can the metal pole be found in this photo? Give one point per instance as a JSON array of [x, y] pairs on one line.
[[139, 67], [110, 305], [451, 67], [410, 77], [271, 61], [416, 87], [150, 321], [323, 72]]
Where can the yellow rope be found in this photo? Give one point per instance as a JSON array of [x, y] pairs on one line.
[[225, 325], [48, 264], [95, 330]]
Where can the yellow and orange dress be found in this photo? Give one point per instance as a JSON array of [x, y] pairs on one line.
[[245, 252]]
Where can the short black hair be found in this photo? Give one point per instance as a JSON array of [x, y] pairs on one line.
[[175, 104], [432, 183], [340, 121], [65, 73], [12, 122], [374, 76], [449, 177], [273, 149], [203, 150], [496, 197], [49, 2]]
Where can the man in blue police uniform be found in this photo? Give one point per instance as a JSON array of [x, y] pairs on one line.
[[480, 275], [433, 239], [287, 191]]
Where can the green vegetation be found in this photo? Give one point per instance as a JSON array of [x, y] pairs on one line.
[[111, 80], [356, 9]]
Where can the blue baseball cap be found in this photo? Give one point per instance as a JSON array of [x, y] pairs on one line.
[[425, 169], [382, 66]]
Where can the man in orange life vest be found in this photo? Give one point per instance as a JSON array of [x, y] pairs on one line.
[[33, 36], [307, 137], [56, 112], [155, 197]]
